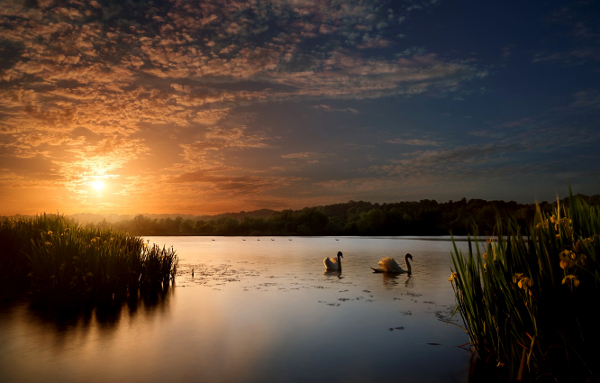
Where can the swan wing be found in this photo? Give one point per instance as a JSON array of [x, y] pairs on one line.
[[390, 265], [330, 263]]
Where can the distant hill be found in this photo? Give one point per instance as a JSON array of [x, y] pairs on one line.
[[425, 217], [262, 213], [85, 218]]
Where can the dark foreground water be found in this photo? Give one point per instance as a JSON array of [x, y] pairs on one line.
[[256, 310]]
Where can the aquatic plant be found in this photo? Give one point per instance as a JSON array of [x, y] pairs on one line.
[[52, 254], [16, 234], [528, 297]]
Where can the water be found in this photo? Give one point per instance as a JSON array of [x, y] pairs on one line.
[[257, 310]]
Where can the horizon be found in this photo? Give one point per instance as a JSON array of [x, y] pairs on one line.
[[217, 107], [179, 214]]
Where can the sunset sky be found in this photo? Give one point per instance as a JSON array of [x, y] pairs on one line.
[[202, 107]]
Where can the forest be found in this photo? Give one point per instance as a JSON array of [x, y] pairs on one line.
[[423, 218]]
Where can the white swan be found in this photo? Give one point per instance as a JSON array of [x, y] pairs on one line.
[[333, 264], [388, 265]]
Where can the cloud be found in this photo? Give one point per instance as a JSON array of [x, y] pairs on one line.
[[303, 155], [575, 57], [220, 138], [309, 157], [238, 184], [375, 43], [466, 162], [327, 108], [220, 184], [413, 142], [586, 99]]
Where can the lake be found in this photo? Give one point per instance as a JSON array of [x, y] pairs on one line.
[[258, 309]]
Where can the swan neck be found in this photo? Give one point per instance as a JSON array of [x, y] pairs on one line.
[[339, 263], [407, 264]]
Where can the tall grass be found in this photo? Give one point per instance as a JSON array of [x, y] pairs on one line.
[[53, 254], [529, 297]]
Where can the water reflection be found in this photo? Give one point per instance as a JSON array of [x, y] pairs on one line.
[[61, 324], [391, 280], [106, 313], [333, 273], [265, 309]]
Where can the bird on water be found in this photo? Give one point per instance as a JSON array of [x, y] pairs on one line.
[[389, 265], [334, 264]]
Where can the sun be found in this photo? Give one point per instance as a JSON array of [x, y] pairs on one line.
[[98, 185]]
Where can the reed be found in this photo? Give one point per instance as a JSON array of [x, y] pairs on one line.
[[529, 296], [49, 253]]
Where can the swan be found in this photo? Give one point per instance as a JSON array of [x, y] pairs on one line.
[[333, 264], [388, 265]]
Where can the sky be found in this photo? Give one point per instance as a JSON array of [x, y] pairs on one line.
[[204, 107]]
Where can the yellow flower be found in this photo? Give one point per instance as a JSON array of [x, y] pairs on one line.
[[453, 276], [567, 259], [49, 232], [517, 277], [571, 279], [523, 282], [564, 264]]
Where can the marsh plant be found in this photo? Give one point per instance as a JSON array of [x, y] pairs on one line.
[[52, 254], [529, 297]]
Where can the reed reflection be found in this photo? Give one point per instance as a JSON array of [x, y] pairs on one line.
[[106, 314]]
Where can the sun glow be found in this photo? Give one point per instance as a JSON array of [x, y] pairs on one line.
[[98, 185]]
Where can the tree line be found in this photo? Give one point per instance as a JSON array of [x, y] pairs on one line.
[[425, 217]]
